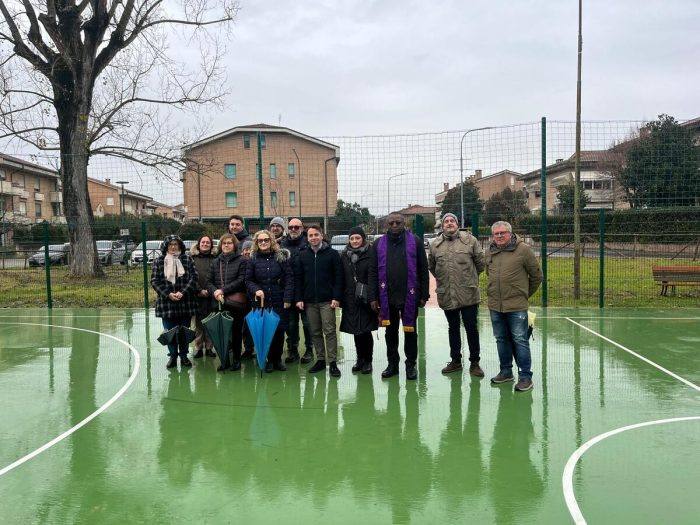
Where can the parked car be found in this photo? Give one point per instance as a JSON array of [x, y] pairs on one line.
[[428, 238], [339, 242], [153, 250], [110, 252], [58, 254], [188, 245]]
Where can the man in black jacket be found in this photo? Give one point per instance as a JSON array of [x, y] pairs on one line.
[[398, 287], [319, 289], [295, 241]]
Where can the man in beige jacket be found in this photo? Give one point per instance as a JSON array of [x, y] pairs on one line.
[[456, 260], [513, 277]]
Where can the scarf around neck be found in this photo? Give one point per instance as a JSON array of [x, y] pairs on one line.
[[173, 268]]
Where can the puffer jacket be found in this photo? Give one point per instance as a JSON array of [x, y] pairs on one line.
[[513, 276], [456, 264], [272, 273], [227, 273], [202, 261], [186, 283]]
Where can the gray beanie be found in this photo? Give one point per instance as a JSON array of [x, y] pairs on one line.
[[246, 245], [279, 221], [448, 214]]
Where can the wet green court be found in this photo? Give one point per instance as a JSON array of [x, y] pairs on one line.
[[94, 429]]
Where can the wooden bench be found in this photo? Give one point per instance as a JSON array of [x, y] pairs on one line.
[[673, 276]]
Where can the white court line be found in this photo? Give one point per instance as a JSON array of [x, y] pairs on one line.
[[635, 354], [593, 317], [568, 474], [64, 435]]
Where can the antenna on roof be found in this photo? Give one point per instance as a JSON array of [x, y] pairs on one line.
[[279, 119]]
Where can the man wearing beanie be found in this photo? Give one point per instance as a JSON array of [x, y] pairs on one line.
[[277, 227], [456, 260]]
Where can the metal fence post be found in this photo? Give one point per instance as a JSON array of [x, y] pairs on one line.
[[47, 266], [543, 213], [475, 225], [145, 265], [419, 226], [601, 256]]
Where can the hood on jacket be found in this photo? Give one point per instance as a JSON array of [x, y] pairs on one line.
[[194, 251], [281, 255], [168, 240], [514, 241], [463, 236]]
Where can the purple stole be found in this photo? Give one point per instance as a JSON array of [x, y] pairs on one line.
[[410, 307]]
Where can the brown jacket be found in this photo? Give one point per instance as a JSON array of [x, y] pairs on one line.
[[513, 276], [456, 265]]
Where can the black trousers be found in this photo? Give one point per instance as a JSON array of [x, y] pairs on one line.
[[410, 340], [364, 345], [275, 353], [468, 315]]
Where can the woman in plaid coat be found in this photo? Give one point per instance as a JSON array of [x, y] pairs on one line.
[[174, 278]]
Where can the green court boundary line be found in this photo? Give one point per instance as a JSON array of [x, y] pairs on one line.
[[105, 406], [568, 474]]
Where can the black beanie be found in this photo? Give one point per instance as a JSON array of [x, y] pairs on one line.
[[357, 230]]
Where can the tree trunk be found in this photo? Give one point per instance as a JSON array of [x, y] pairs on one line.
[[73, 115]]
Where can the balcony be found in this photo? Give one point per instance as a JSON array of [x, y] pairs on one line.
[[23, 194], [39, 197], [56, 196], [7, 188]]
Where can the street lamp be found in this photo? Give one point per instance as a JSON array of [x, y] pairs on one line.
[[325, 193], [388, 204], [122, 210], [461, 173], [299, 191]]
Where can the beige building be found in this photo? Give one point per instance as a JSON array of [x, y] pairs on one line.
[[496, 183], [106, 199], [299, 174], [29, 193]]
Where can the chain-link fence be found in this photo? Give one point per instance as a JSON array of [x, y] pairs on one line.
[[638, 202]]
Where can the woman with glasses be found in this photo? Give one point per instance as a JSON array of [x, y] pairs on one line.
[[269, 278], [227, 276]]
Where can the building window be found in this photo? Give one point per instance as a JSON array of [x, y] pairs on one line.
[[263, 141], [110, 201], [19, 180], [232, 199], [37, 209], [22, 208], [246, 141], [292, 198], [230, 171], [290, 168], [56, 208], [37, 184], [273, 199], [2, 175], [273, 171]]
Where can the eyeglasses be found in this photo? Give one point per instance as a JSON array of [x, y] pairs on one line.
[[261, 241], [500, 233], [227, 243], [295, 227]]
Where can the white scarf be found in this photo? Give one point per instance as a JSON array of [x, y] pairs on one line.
[[173, 267]]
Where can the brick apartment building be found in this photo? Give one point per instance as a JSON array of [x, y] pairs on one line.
[[29, 193]]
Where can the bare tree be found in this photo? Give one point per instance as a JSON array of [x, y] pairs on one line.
[[87, 77]]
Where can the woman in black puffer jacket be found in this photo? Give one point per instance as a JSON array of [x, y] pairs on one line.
[[227, 276], [358, 318], [269, 277], [202, 255]]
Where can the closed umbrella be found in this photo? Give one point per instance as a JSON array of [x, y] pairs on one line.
[[218, 326], [177, 334], [262, 323]]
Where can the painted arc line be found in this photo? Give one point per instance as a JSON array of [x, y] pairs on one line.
[[635, 354], [568, 475], [64, 435]]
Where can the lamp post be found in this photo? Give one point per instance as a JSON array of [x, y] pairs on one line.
[[299, 180], [325, 192], [461, 173], [388, 203], [122, 210]]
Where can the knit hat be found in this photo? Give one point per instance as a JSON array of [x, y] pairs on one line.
[[448, 214], [246, 245], [357, 230], [279, 221]]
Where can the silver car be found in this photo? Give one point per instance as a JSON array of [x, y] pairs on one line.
[[110, 252], [153, 250], [58, 254]]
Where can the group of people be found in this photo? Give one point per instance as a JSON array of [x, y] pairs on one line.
[[304, 280]]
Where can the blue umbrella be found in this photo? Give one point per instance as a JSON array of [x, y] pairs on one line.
[[262, 324]]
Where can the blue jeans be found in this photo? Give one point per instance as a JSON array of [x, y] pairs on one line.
[[510, 331]]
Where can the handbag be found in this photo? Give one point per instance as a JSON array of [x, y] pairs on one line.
[[360, 292], [236, 302]]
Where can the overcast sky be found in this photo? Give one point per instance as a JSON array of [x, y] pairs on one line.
[[362, 67]]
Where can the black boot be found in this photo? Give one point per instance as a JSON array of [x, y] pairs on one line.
[[318, 366], [358, 364], [184, 361], [411, 371], [390, 371], [308, 356], [333, 370], [367, 367], [172, 362], [199, 354], [292, 355]]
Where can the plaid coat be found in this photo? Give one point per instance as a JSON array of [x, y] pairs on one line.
[[188, 284]]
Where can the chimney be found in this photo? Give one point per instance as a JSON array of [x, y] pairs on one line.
[[107, 181], [477, 174], [445, 186], [558, 161]]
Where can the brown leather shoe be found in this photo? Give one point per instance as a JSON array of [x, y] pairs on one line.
[[452, 366], [475, 369]]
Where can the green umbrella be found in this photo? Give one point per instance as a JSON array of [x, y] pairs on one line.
[[218, 326]]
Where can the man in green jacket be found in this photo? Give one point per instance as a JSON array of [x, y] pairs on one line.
[[456, 260], [513, 277]]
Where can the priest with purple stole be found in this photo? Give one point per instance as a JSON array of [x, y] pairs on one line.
[[398, 287]]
